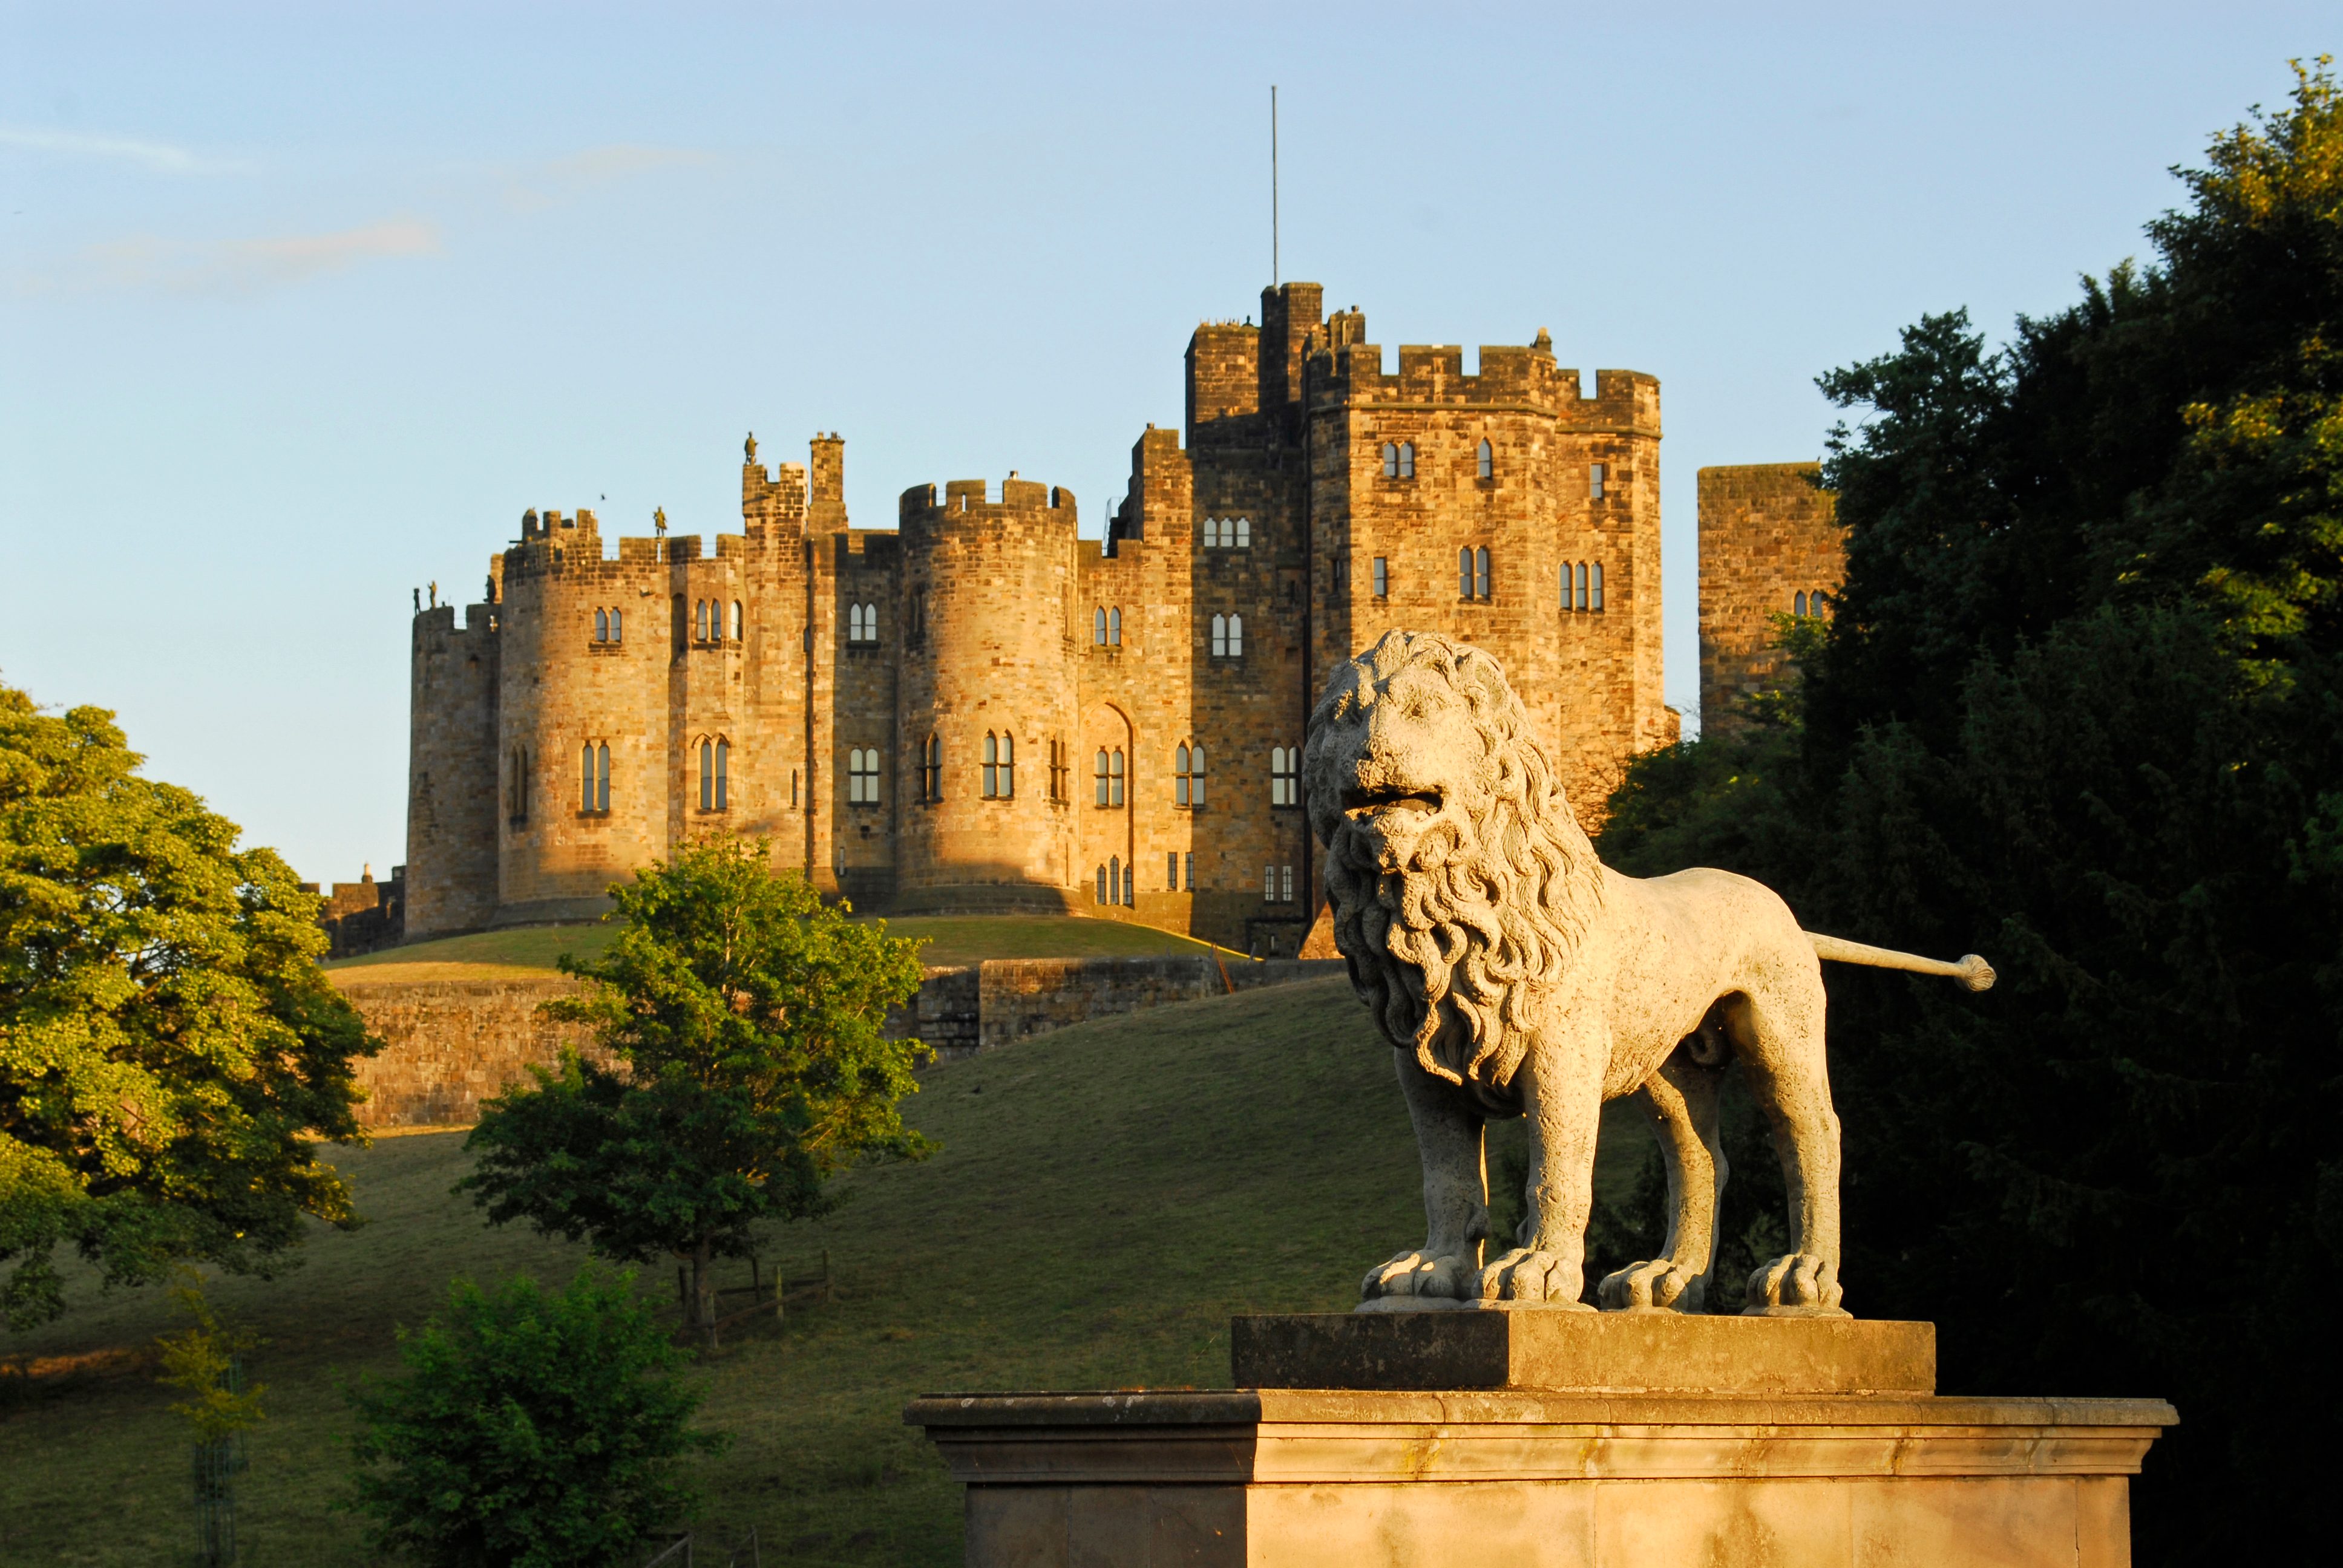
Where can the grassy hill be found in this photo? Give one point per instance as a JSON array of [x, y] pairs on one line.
[[950, 938], [1106, 1197]]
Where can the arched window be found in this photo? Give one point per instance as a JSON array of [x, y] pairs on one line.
[[1008, 765], [1284, 776], [707, 777], [1407, 460], [1115, 880], [1211, 533], [1114, 777], [602, 778], [931, 769], [1102, 885], [700, 620], [1798, 604], [996, 752], [1196, 774], [1390, 460], [1179, 774], [1595, 477], [1130, 886], [585, 778], [1464, 572], [739, 621], [1114, 627], [1485, 462], [1236, 636], [1481, 573], [1595, 572], [1097, 626], [1101, 777], [723, 775], [1220, 637], [1244, 533], [618, 625], [1568, 571], [602, 623], [862, 776]]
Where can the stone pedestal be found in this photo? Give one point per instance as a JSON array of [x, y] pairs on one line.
[[1626, 1467]]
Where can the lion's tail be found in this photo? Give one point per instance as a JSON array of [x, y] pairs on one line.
[[1971, 971]]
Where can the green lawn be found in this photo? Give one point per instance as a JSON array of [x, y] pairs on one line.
[[950, 938], [1106, 1197]]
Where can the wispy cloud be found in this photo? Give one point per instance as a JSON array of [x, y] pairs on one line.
[[161, 157], [561, 179], [234, 265]]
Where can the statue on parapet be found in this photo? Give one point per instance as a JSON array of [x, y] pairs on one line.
[[1519, 976], [748, 448]]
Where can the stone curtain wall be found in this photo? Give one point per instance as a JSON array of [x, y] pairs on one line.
[[1767, 531], [447, 1045]]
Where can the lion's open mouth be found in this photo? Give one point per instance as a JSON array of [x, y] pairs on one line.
[[1361, 802]]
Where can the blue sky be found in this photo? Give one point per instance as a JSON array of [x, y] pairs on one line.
[[300, 306]]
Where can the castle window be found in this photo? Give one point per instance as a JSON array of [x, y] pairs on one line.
[[1097, 626], [1390, 460], [1382, 577], [1284, 783], [1464, 572], [707, 777], [1179, 774], [1485, 464], [1228, 637], [1172, 871], [1102, 780], [1196, 774], [723, 775], [793, 789], [1114, 777], [618, 625], [1245, 534], [516, 787], [1114, 627], [594, 778], [1594, 481], [1188, 775], [854, 623], [700, 620], [739, 621], [1481, 573], [602, 623], [1100, 895], [1594, 594], [932, 770], [1798, 605], [1000, 766], [1269, 884], [1115, 880], [862, 776], [1129, 887], [1061, 765], [1189, 859], [1285, 880], [1407, 460]]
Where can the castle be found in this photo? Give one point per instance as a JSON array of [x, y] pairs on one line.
[[978, 711]]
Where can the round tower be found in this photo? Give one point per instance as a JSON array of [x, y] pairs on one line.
[[986, 707]]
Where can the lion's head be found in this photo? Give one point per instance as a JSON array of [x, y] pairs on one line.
[[1461, 882]]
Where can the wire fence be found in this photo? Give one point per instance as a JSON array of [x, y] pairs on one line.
[[730, 1549]]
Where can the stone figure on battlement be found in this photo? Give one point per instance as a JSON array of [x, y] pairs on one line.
[[1519, 976]]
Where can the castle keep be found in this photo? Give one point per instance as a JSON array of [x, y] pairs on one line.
[[975, 710]]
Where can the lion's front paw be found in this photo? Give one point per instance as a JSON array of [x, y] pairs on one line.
[[1656, 1286], [1798, 1285], [1418, 1273], [1526, 1274]]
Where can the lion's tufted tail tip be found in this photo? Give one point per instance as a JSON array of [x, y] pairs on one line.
[[1975, 973]]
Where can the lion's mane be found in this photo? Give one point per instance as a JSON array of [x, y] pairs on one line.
[[1457, 954]]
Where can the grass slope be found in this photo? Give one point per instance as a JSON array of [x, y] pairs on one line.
[[1106, 1197], [950, 939]]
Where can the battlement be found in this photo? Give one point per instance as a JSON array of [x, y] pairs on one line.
[[1015, 495], [1346, 370], [552, 525]]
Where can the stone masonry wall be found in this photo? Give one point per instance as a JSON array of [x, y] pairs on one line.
[[1768, 532], [451, 1044]]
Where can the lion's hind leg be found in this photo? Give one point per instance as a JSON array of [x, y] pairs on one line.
[[1681, 1099], [1776, 1029]]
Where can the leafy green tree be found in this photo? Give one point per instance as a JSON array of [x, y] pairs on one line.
[[747, 1017], [205, 1362], [530, 1430], [170, 1052], [2080, 708]]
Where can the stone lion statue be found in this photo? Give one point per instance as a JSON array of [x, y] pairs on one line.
[[1519, 976]]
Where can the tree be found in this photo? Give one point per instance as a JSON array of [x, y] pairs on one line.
[[170, 1051], [530, 1430], [747, 1019], [205, 1362], [2078, 709]]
